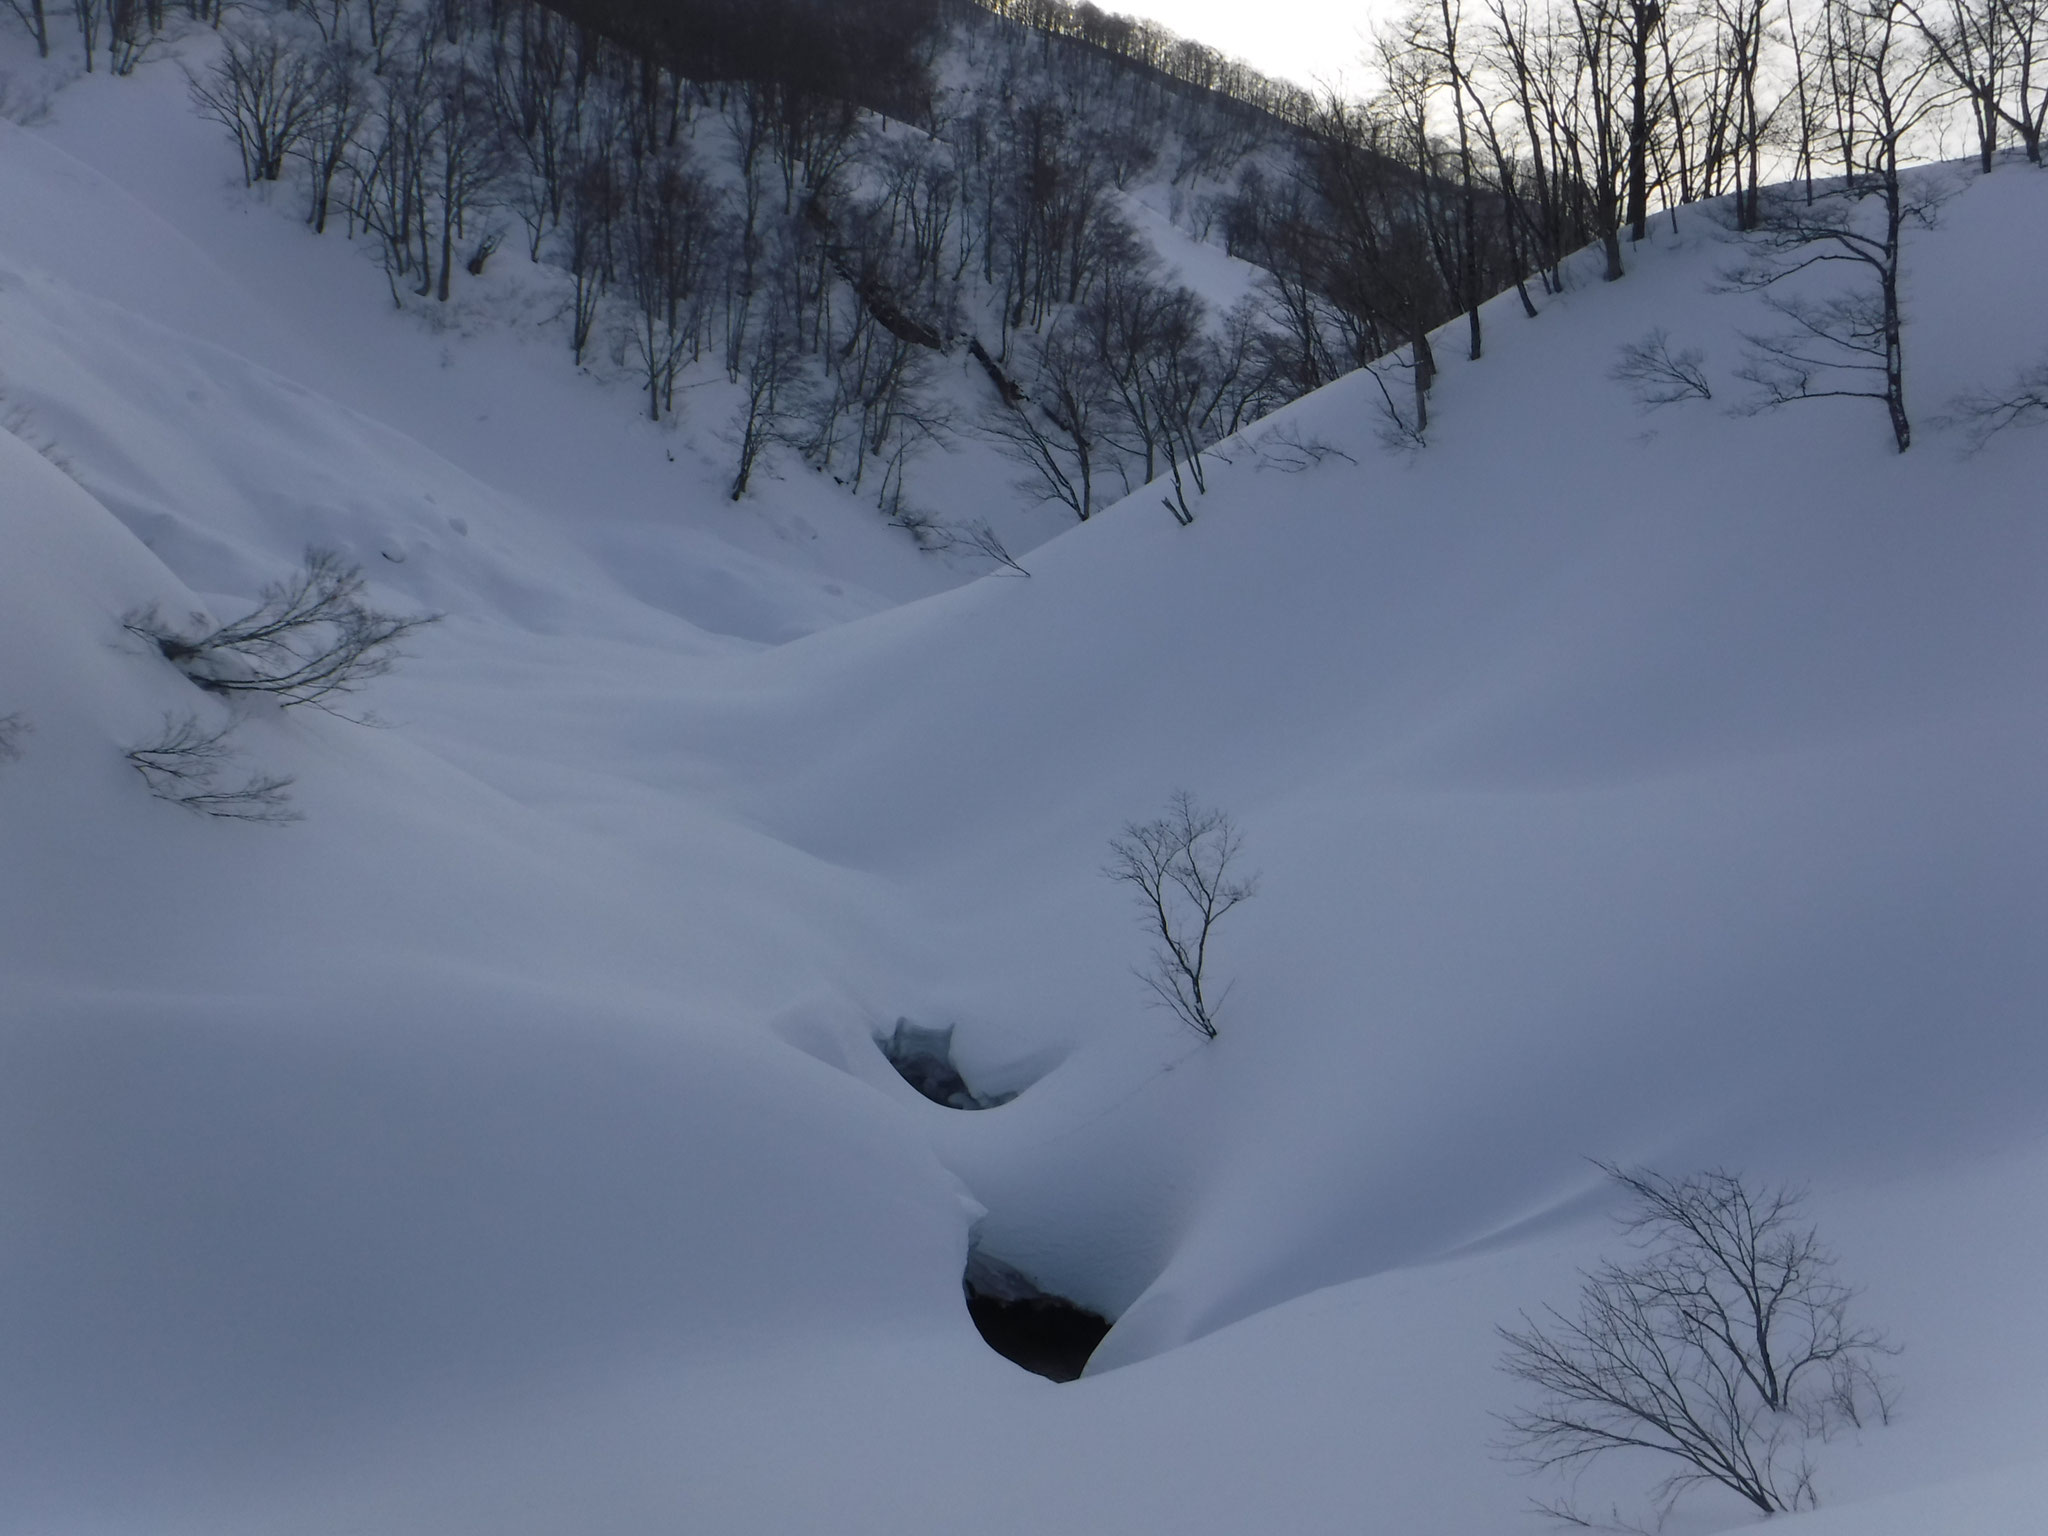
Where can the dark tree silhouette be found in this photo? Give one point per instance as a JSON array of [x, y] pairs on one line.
[[1182, 866], [311, 640], [185, 763], [1723, 1344]]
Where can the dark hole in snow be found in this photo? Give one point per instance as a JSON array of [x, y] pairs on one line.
[[1046, 1334], [923, 1058]]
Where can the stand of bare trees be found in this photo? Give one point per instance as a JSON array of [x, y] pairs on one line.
[[123, 30], [705, 176], [1510, 133]]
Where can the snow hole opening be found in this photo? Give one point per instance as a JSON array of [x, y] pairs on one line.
[[923, 1058], [1046, 1334]]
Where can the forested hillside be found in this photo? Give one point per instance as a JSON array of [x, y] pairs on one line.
[[831, 207]]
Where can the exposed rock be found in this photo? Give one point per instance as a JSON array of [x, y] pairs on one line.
[[924, 1059], [1044, 1333]]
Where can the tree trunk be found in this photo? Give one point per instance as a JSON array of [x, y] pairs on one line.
[[1894, 338], [447, 251], [1645, 15], [1425, 376]]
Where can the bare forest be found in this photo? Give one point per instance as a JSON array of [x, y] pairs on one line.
[[846, 209]]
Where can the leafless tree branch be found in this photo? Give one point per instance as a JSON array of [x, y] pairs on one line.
[[1656, 375], [1289, 451], [1399, 430], [1181, 866], [1982, 415], [311, 638], [185, 764]]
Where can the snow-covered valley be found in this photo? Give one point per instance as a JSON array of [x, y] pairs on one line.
[[504, 1147]]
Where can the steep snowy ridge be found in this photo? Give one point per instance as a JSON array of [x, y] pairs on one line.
[[502, 1147]]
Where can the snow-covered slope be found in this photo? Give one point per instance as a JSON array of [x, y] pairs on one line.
[[502, 1147]]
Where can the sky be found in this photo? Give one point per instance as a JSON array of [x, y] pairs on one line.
[[1311, 41]]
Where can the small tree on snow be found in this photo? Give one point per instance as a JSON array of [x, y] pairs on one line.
[[1723, 1344], [1181, 866]]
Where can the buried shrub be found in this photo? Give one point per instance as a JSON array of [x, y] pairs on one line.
[[190, 765], [310, 639]]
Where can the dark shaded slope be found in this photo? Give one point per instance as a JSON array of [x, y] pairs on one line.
[[875, 53]]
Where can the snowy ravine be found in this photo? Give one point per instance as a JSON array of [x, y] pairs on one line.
[[503, 1148]]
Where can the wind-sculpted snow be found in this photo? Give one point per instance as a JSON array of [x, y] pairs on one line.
[[504, 1148]]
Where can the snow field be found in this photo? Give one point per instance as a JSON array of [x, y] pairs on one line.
[[501, 1148]]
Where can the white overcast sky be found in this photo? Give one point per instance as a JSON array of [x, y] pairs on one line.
[[1310, 41]]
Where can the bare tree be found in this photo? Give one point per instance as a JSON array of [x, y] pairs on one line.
[[1291, 451], [265, 92], [390, 166], [133, 27], [340, 105], [1425, 57], [591, 207], [1058, 428], [776, 396], [1723, 1344], [37, 20], [185, 762], [1402, 430], [978, 536], [1074, 390], [1849, 344], [975, 536], [1656, 375], [2026, 112], [471, 158], [89, 14], [1368, 253], [532, 65], [1983, 414], [311, 638], [1883, 86], [667, 230], [1992, 50], [1181, 866]]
